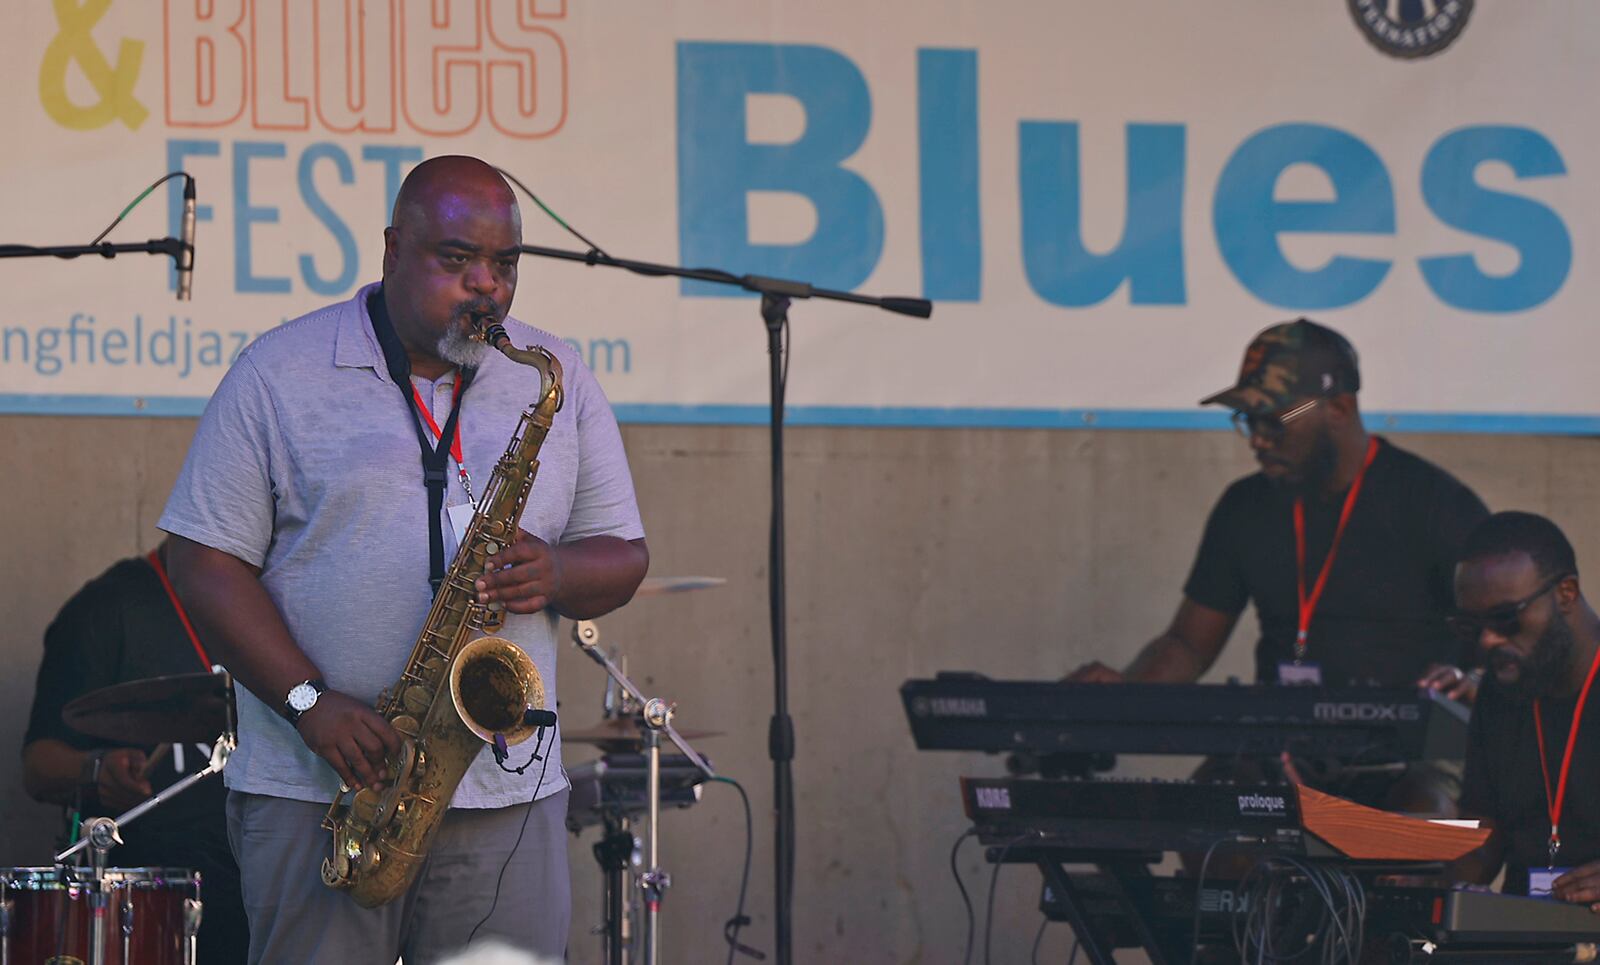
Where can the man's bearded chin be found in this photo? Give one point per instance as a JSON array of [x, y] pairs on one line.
[[1319, 466], [456, 347], [1544, 670]]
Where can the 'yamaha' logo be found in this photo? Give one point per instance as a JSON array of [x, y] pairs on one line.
[[1411, 28], [951, 707]]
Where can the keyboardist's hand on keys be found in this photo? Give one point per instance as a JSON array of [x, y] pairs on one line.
[[1453, 682], [1094, 672], [1580, 886]]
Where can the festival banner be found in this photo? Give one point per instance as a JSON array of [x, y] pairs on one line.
[[1103, 201]]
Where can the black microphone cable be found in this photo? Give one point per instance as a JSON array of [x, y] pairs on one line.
[[136, 201], [994, 879], [955, 871], [730, 928], [500, 879]]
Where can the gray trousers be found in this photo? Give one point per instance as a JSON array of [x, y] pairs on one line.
[[280, 845]]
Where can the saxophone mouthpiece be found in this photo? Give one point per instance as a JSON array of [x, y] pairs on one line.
[[495, 335]]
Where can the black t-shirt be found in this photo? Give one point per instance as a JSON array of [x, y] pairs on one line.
[[1504, 782], [122, 626], [1381, 617]]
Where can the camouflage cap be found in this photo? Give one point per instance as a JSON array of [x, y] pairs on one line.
[[1290, 362]]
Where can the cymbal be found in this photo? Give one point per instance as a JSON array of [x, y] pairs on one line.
[[660, 585], [623, 733], [182, 708]]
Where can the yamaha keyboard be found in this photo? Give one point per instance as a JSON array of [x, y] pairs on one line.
[[963, 711]]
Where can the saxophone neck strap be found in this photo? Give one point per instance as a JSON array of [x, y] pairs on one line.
[[435, 455]]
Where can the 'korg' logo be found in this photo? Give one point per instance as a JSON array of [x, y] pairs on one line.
[[1364, 713], [1270, 805], [993, 798]]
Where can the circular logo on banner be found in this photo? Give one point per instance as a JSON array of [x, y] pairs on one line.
[[1411, 28]]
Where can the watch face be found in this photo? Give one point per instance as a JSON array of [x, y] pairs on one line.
[[301, 697]]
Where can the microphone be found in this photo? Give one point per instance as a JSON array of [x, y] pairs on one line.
[[542, 718], [186, 252]]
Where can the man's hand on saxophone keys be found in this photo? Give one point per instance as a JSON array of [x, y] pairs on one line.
[[525, 577], [352, 737]]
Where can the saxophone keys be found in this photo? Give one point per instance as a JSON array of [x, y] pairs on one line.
[[336, 870], [416, 699], [364, 806]]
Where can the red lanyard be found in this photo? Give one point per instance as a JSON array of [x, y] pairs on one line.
[[1308, 604], [183, 615], [455, 437], [1560, 797]]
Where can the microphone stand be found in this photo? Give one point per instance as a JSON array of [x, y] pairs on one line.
[[182, 253], [105, 249], [657, 715], [776, 295]]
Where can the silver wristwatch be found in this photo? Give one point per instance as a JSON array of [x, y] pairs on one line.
[[301, 698]]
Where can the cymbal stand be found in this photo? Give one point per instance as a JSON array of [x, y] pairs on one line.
[[615, 852], [617, 847], [654, 882], [101, 834]]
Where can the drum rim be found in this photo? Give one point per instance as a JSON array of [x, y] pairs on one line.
[[50, 877]]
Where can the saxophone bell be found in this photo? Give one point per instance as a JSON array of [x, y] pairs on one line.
[[493, 683]]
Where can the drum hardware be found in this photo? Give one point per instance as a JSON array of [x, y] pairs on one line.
[[623, 734], [655, 719], [617, 852], [159, 710]]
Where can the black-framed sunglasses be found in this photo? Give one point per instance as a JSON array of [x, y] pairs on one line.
[[1505, 620], [1271, 427]]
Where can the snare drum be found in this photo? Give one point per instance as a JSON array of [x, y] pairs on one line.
[[147, 916]]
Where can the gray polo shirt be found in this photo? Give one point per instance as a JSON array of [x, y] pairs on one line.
[[306, 465]]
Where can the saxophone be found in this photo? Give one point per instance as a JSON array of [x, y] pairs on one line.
[[460, 690]]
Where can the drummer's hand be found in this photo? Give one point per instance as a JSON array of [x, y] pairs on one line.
[[121, 785], [1453, 682], [350, 736], [1580, 886], [1094, 672], [532, 581]]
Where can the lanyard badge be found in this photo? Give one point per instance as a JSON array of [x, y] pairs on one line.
[[1557, 800]]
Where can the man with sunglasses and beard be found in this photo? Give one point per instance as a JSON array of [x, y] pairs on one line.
[[1345, 542], [1534, 726]]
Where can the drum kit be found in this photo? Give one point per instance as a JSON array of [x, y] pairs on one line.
[[84, 911]]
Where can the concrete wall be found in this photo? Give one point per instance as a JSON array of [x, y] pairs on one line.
[[1019, 553]]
